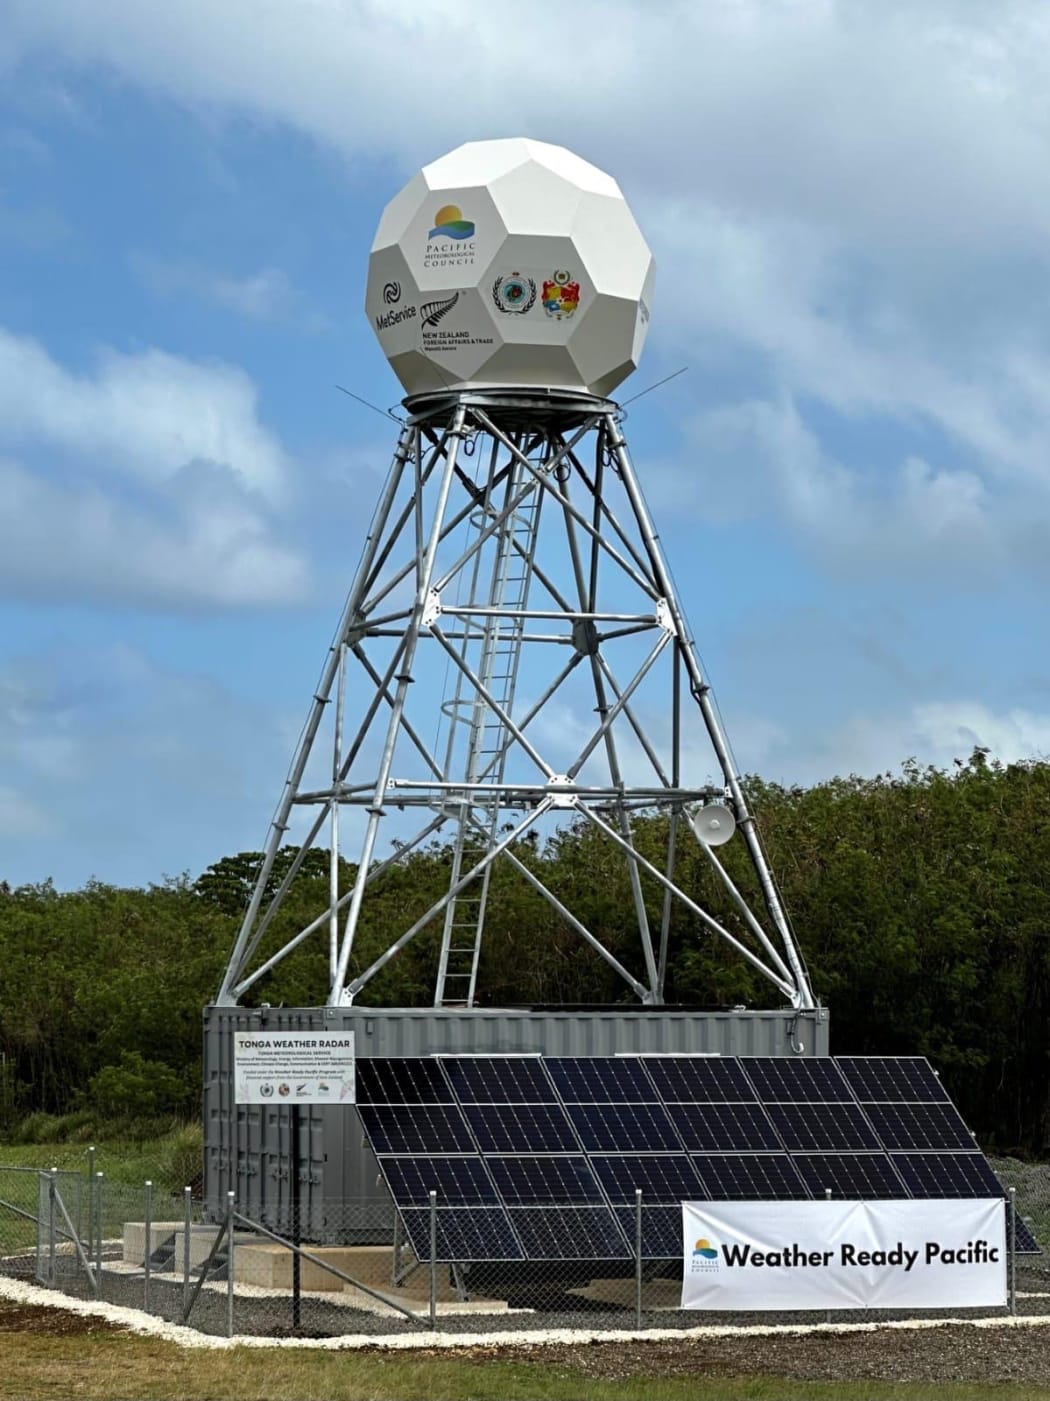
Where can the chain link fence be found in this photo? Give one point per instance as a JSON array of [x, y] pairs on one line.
[[89, 1235]]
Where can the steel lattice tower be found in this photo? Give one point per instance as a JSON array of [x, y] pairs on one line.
[[511, 541]]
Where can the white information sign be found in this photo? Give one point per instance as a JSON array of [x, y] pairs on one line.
[[293, 1067], [840, 1254]]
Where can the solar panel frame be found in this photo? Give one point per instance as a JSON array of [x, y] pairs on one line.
[[827, 1127], [663, 1178], [601, 1080], [562, 1180], [464, 1234], [661, 1230], [401, 1080], [941, 1175], [859, 1176], [624, 1127], [416, 1130], [576, 1145], [920, 1127], [499, 1080], [750, 1177], [458, 1181], [893, 1079], [733, 1127], [809, 1080], [698, 1079], [569, 1233], [521, 1128]]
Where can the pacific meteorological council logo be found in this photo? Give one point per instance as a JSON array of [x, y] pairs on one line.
[[450, 223], [705, 1255], [450, 243]]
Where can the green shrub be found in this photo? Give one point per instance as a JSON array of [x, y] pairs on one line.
[[182, 1157], [137, 1088]]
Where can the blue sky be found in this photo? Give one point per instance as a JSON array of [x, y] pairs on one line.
[[850, 212]]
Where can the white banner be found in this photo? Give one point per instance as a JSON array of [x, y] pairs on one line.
[[839, 1254], [293, 1067]]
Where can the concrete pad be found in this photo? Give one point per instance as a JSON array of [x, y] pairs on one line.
[[270, 1265], [656, 1293], [135, 1239]]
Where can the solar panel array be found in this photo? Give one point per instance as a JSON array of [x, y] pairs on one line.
[[539, 1158]]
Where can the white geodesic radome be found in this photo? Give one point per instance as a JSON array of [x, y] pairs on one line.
[[510, 264]]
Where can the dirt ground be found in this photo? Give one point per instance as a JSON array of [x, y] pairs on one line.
[[951, 1353]]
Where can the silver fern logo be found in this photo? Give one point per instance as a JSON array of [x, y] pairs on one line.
[[434, 311]]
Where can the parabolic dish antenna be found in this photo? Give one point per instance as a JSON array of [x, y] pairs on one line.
[[510, 264]]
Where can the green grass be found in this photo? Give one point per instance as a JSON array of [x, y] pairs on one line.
[[91, 1366], [169, 1160]]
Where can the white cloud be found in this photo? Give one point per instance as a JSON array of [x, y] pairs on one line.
[[201, 543], [933, 732], [267, 295], [904, 122], [759, 459], [842, 190], [145, 416], [151, 481]]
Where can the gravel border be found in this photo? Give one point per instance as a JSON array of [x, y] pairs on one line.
[[134, 1320]]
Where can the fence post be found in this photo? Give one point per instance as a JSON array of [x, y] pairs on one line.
[[90, 1197], [827, 1198], [1013, 1249], [433, 1258], [146, 1261], [52, 1179], [638, 1256], [229, 1264], [187, 1221], [98, 1231]]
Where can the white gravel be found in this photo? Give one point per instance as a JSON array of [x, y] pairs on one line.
[[138, 1322]]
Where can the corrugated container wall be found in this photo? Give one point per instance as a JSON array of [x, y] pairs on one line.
[[247, 1147]]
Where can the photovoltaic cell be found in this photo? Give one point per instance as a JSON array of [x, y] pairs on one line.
[[457, 1181], [750, 1177], [893, 1078], [663, 1180], [407, 1080], [938, 1175], [463, 1233], [630, 1127], [714, 1126], [865, 1176], [661, 1230], [552, 1180], [703, 1080], [568, 1233], [601, 1080], [540, 1194], [521, 1128], [416, 1128], [499, 1080], [948, 1175], [920, 1126], [811, 1080], [822, 1126]]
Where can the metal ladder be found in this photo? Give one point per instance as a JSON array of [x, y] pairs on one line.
[[500, 638]]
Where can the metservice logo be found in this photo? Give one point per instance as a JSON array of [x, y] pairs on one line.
[[450, 223]]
